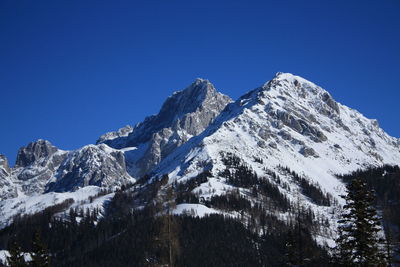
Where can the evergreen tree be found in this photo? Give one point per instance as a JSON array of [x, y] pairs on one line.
[[16, 258], [358, 243], [40, 255]]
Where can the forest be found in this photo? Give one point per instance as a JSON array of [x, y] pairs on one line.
[[152, 236]]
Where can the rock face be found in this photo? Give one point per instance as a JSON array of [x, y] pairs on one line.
[[91, 165], [34, 152], [184, 114], [36, 164], [119, 135], [4, 167], [308, 152], [7, 189]]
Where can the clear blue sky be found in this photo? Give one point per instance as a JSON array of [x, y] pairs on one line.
[[73, 70]]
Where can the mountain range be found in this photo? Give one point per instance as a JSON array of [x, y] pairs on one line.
[[289, 132]]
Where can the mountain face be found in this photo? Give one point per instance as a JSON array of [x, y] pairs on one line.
[[184, 114], [287, 132], [288, 128], [118, 157], [36, 164], [6, 186], [288, 122], [91, 165], [35, 152]]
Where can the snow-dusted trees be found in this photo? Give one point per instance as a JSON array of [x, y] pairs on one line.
[[16, 258], [358, 243], [40, 255]]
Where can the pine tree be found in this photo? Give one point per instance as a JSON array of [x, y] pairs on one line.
[[16, 258], [40, 255], [358, 243]]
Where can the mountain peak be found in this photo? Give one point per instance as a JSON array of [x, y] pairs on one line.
[[33, 151], [201, 80], [296, 88], [199, 85], [290, 79], [199, 96], [190, 98], [184, 114]]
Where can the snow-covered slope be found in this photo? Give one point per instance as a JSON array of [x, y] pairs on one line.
[[89, 197]]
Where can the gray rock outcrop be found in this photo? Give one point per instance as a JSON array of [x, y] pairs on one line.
[[33, 152], [36, 164], [7, 189], [5, 169], [118, 136], [308, 152]]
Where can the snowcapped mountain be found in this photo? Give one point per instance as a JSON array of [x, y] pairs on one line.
[[288, 122], [118, 158], [288, 125]]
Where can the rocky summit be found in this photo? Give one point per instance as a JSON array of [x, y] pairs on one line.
[[183, 115]]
